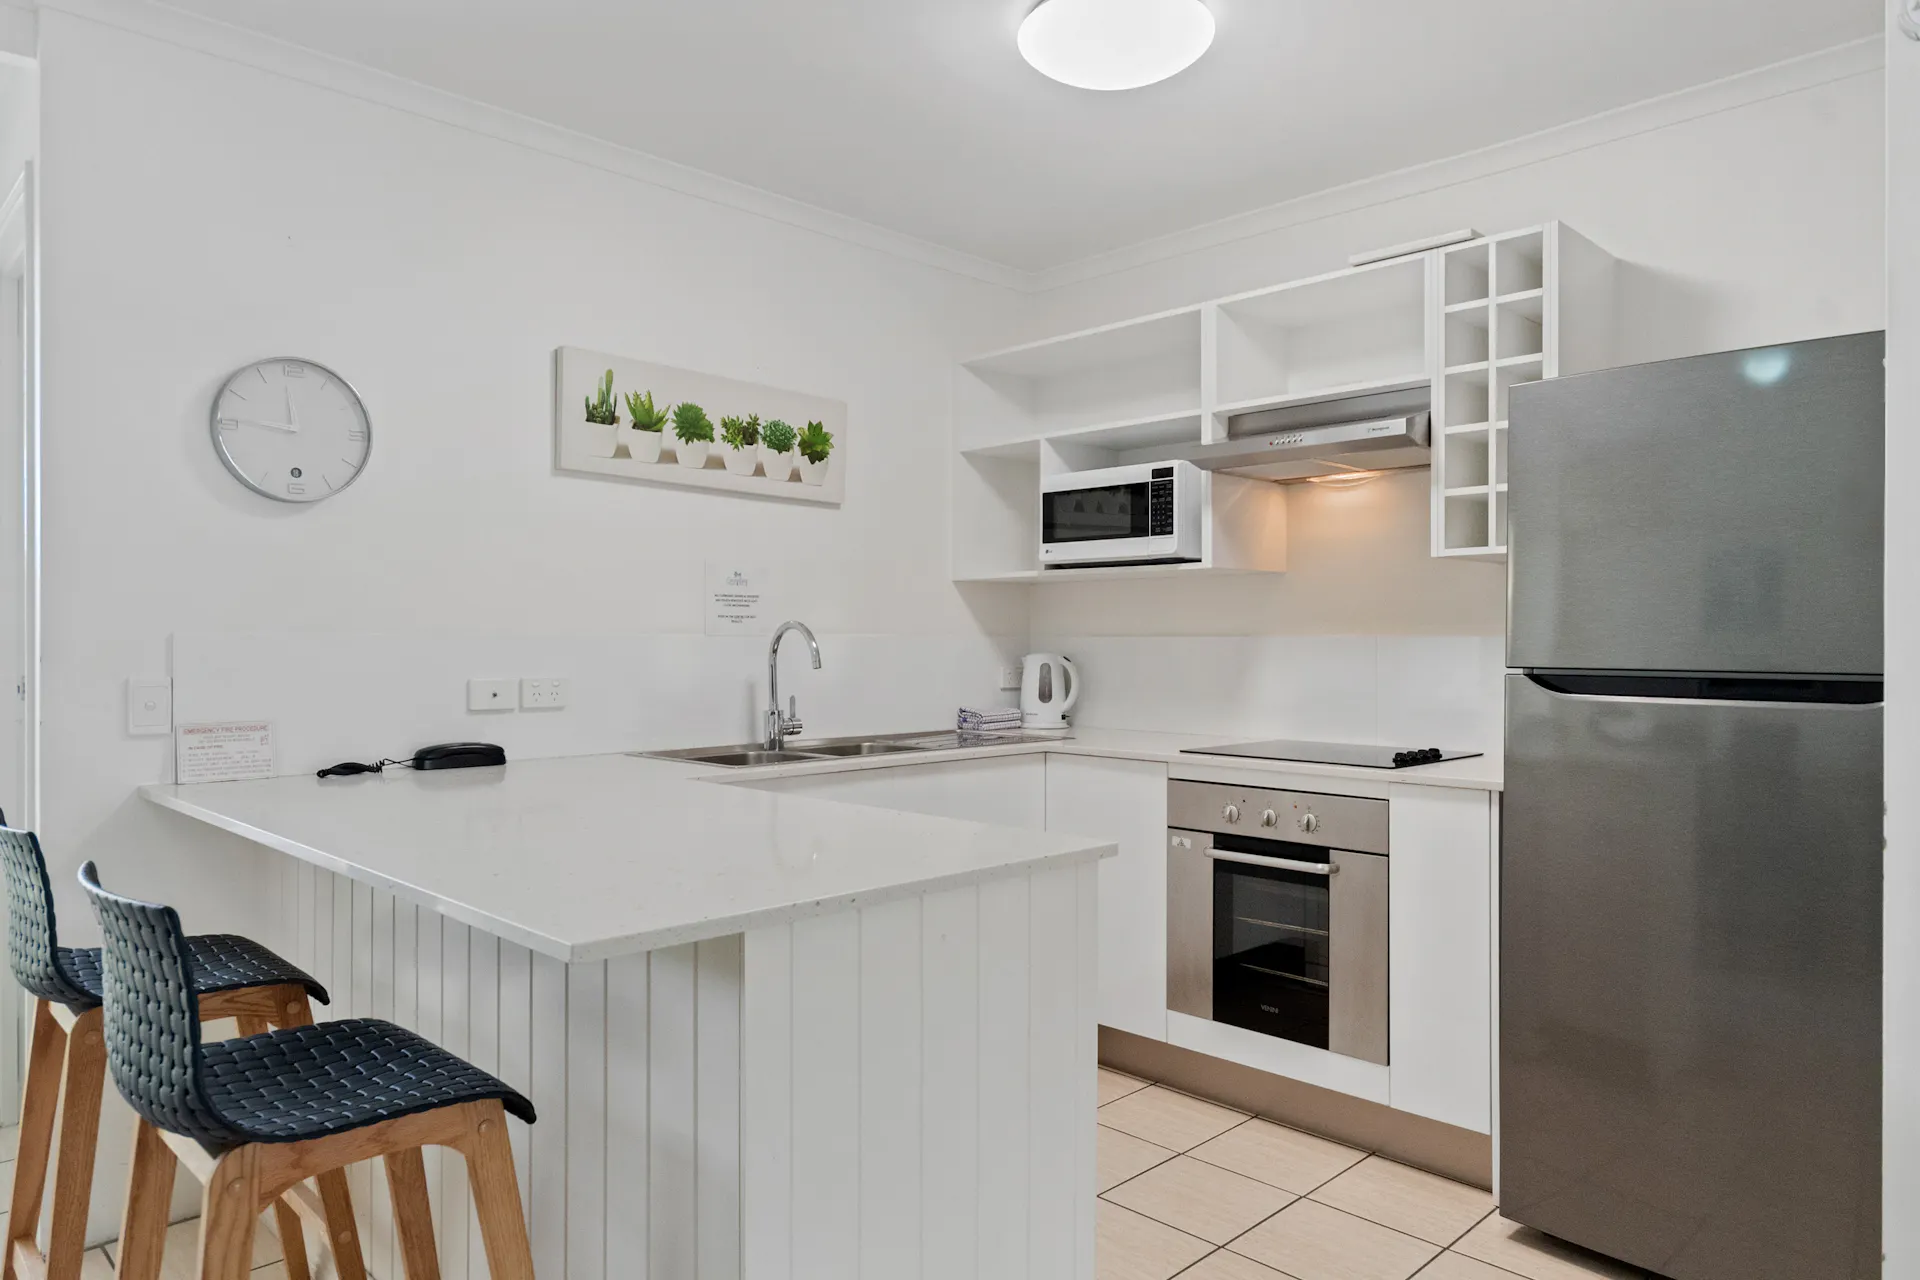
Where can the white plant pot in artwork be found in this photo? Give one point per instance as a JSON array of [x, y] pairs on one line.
[[643, 446], [597, 439], [741, 461], [692, 453], [778, 466], [814, 472]]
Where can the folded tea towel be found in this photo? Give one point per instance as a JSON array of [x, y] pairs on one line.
[[984, 719]]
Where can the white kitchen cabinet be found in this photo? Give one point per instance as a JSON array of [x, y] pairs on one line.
[[1124, 801], [1008, 792], [1441, 967]]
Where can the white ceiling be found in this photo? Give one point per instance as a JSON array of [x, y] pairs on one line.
[[919, 115]]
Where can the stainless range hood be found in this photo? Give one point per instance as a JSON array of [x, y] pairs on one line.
[[1385, 431]]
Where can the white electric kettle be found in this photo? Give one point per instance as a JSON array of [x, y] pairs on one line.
[[1049, 686]]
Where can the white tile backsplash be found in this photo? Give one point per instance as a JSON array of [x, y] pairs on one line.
[[1405, 690]]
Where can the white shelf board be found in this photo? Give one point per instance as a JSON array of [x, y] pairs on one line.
[[1530, 303], [1518, 362], [1105, 573], [1466, 308], [1011, 575], [1412, 382], [1471, 429], [1461, 370], [1471, 491], [1127, 433], [1162, 334]]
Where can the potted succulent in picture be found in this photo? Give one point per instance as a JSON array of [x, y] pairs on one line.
[[601, 434], [644, 427], [739, 444], [692, 434], [776, 450], [814, 444]]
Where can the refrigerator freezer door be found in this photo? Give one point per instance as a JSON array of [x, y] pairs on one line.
[[1722, 513], [1690, 982]]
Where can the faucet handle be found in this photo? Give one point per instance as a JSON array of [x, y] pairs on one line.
[[791, 724]]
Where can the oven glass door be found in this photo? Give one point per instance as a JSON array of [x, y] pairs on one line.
[[1111, 513], [1272, 943]]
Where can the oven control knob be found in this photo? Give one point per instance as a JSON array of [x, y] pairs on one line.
[[1309, 823], [1269, 819], [1231, 813]]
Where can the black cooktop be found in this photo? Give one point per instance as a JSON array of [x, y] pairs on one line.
[[1366, 757]]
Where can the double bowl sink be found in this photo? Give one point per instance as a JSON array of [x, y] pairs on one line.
[[749, 755]]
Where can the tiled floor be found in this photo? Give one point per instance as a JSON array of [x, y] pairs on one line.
[[1193, 1189], [181, 1236]]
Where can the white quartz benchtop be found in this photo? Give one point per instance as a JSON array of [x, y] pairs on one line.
[[595, 856]]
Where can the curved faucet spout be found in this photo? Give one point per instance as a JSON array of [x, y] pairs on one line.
[[781, 727]]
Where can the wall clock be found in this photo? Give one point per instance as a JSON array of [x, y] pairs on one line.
[[291, 429]]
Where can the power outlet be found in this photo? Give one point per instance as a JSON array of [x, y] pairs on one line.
[[490, 695], [1010, 677], [543, 694], [149, 705]]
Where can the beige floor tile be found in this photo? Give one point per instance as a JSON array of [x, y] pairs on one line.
[[1119, 1156], [1458, 1266], [1536, 1255], [94, 1265], [1130, 1247], [183, 1245], [1168, 1119], [6, 1183], [1201, 1199], [1115, 1085], [1282, 1157], [1310, 1241], [1421, 1204], [272, 1271], [1226, 1265], [9, 1142]]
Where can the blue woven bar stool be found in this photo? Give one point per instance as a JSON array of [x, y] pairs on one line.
[[253, 1117], [234, 977]]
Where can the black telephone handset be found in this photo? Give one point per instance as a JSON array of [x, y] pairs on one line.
[[441, 755], [458, 755]]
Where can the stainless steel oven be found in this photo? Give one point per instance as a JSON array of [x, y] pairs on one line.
[[1277, 914]]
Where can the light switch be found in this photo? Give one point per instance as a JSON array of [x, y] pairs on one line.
[[149, 705], [492, 695]]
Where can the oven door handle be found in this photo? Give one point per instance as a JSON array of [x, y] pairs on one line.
[[1278, 864]]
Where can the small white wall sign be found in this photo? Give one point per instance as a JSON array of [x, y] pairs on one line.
[[739, 599], [227, 752]]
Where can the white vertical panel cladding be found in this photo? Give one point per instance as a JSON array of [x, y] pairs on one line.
[[826, 1087], [1441, 955], [766, 1104], [890, 1035], [942, 1047]]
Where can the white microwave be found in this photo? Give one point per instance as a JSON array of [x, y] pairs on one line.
[[1148, 513]]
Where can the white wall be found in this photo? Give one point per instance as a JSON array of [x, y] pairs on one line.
[[1746, 213], [1902, 1063], [201, 213]]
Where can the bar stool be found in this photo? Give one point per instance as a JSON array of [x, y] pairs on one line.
[[253, 1117], [234, 977]]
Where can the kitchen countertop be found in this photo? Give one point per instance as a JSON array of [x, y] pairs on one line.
[[586, 857]]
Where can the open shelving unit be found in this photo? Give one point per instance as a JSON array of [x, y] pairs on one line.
[[1511, 308], [1465, 324]]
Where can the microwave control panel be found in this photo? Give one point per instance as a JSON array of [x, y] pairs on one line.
[[1160, 503]]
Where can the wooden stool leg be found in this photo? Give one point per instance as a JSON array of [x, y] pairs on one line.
[[228, 1213], [143, 1227], [496, 1193], [79, 1135], [412, 1213], [39, 1100], [343, 1233], [293, 1237]]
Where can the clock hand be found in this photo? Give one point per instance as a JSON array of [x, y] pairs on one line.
[[271, 426], [293, 417]]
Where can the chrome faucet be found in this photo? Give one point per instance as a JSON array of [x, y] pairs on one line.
[[781, 727]]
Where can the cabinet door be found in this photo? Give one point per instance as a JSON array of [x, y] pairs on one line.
[[1124, 801], [1440, 966], [1008, 792]]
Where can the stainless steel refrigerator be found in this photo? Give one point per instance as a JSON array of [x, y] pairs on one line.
[[1690, 865]]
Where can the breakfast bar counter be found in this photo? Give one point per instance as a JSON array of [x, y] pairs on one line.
[[768, 1035]]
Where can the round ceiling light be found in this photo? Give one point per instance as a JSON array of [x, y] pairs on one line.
[[1115, 44]]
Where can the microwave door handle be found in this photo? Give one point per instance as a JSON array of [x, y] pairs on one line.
[[1278, 864]]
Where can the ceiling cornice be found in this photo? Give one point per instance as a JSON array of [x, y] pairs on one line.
[[1842, 62], [187, 30]]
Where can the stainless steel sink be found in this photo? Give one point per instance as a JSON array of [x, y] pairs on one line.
[[745, 755], [876, 748]]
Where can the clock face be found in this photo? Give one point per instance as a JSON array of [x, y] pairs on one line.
[[291, 430]]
